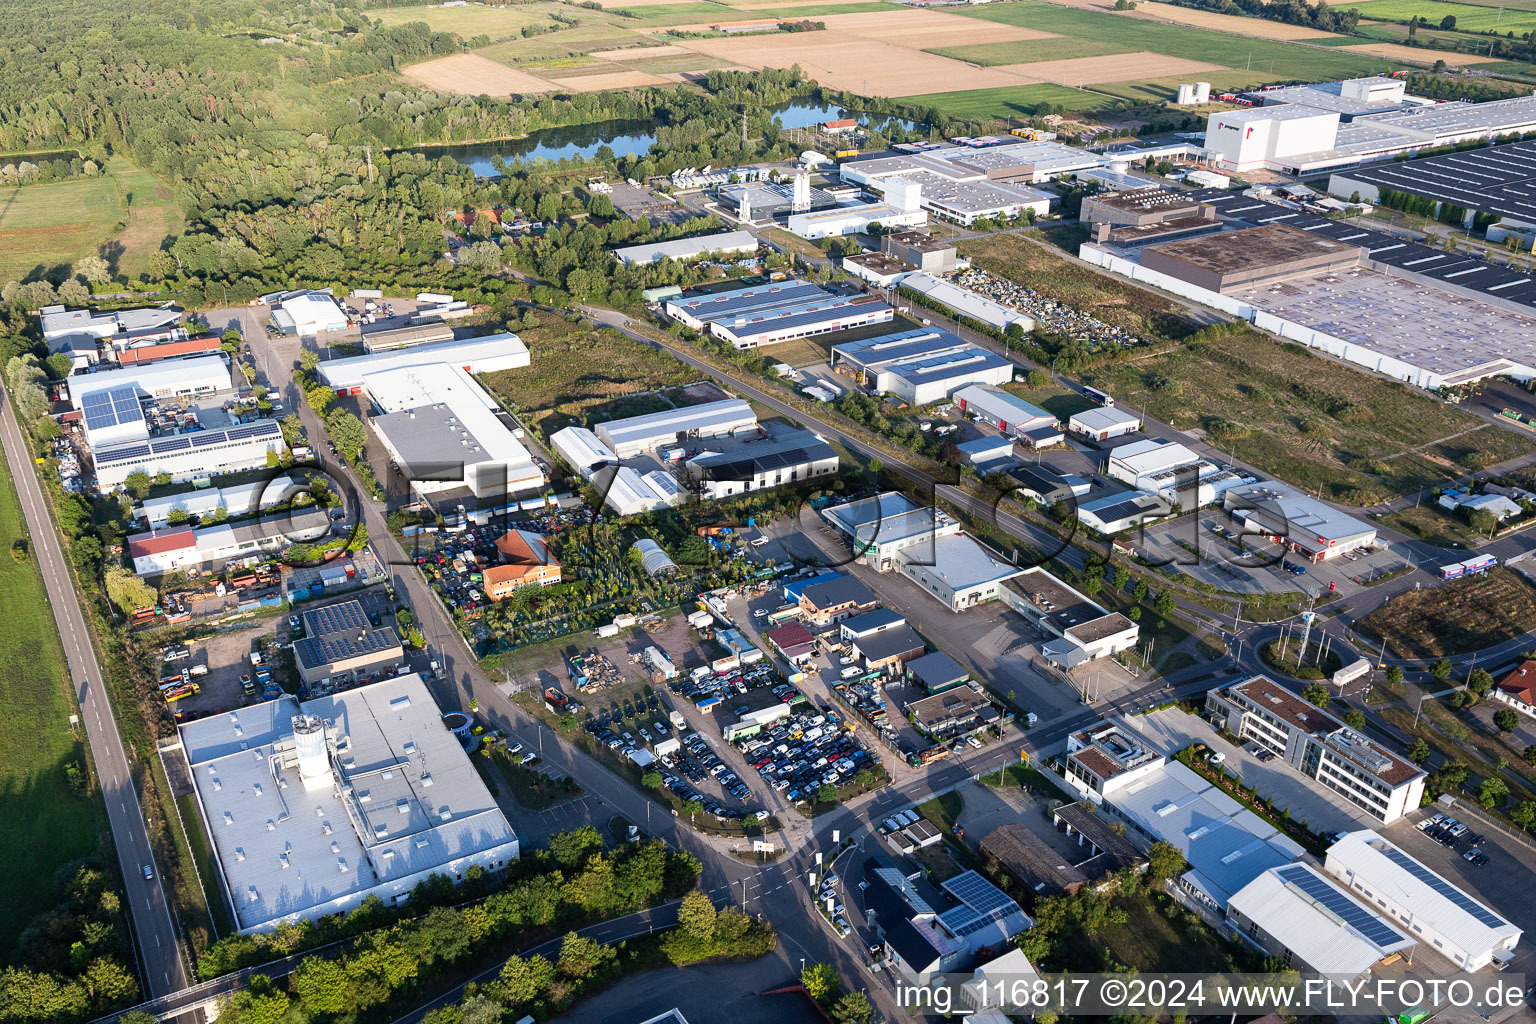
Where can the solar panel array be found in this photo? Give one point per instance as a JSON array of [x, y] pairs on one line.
[[336, 618], [1441, 886], [111, 407], [979, 894], [162, 446], [1330, 897]]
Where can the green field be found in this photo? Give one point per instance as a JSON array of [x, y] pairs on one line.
[[48, 823], [594, 35], [1266, 60], [1469, 17], [496, 22], [1007, 101], [1159, 89], [1027, 51], [152, 216], [669, 62], [802, 13]]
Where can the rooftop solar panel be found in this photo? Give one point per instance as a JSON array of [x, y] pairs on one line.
[[1441, 886], [116, 455], [1368, 924], [977, 893]]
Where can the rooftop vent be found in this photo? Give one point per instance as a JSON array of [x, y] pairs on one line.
[[282, 859], [229, 819], [239, 853], [341, 864], [271, 825], [325, 828], [445, 814], [256, 788], [250, 893]]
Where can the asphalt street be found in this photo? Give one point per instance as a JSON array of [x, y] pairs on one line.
[[153, 930]]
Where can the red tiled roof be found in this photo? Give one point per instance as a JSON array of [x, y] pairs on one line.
[[846, 122], [1521, 683], [789, 636], [152, 353], [158, 543]]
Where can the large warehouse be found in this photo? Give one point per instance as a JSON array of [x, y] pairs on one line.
[[1303, 524], [1460, 928], [339, 640], [919, 366], [307, 313], [1250, 257], [474, 355], [965, 303], [1010, 414], [1495, 180], [768, 314], [956, 571], [725, 242], [196, 377], [184, 457], [583, 451], [447, 433], [788, 456], [637, 435], [313, 807]]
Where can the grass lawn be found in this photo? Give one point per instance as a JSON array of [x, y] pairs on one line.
[[1023, 776], [1429, 523], [43, 227], [1463, 615], [1053, 398], [1469, 17], [802, 351], [690, 13], [572, 371], [531, 788], [1352, 435], [1113, 300], [496, 22], [1007, 101], [1268, 60], [814, 13], [208, 872], [152, 216], [49, 823], [1027, 51]]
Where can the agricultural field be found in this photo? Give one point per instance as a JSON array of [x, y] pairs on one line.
[[1469, 17], [1309, 422], [152, 216], [46, 227], [35, 705], [1030, 50], [573, 371], [475, 20], [1010, 101], [1263, 28], [1453, 618]]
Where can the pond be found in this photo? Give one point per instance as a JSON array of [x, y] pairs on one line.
[[624, 137]]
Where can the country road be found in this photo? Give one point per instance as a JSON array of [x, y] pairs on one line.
[[153, 930]]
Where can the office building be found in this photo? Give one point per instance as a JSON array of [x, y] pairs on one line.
[[956, 571], [313, 807], [1436, 913], [340, 641], [1302, 524], [921, 251], [832, 600], [525, 562], [236, 500], [1084, 631], [189, 456]]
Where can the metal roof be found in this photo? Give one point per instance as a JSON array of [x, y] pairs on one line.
[[1308, 914], [686, 248]]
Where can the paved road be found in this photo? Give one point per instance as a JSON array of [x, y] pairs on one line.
[[153, 930]]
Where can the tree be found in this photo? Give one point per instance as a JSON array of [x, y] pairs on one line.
[[1394, 675], [1493, 792], [651, 780], [820, 981], [693, 808], [323, 987], [1354, 718], [1121, 578], [1163, 605], [60, 365], [1036, 378], [1441, 670], [696, 917], [1506, 719], [309, 359], [109, 983], [523, 981], [1480, 682], [853, 1008], [580, 956], [320, 398], [1448, 23], [1529, 754], [92, 269], [1523, 814], [1316, 693], [572, 848], [1418, 751], [128, 592], [348, 433], [826, 793], [1164, 861]]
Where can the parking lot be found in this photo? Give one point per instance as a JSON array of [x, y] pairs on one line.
[[636, 201], [218, 663]]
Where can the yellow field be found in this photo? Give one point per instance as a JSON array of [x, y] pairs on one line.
[[927, 30], [609, 80], [1118, 67], [476, 75], [1261, 28], [1396, 52]]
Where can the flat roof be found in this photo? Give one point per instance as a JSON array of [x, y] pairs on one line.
[[1328, 96], [888, 643], [1251, 249], [339, 633], [751, 301], [1394, 875], [684, 248], [921, 241], [727, 414], [937, 669], [1145, 200], [959, 561], [168, 377], [835, 592], [1101, 418], [1153, 455], [1495, 179], [1450, 120], [403, 799], [1310, 915], [878, 263], [1059, 603], [492, 352], [880, 618], [920, 355], [747, 460], [1032, 860], [1302, 514], [966, 302], [144, 451]]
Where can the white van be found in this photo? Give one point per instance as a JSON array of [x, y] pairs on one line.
[[850, 672]]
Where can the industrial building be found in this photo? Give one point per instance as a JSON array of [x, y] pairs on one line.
[[1084, 630], [306, 313], [827, 601], [583, 451], [375, 342], [877, 268], [886, 650], [1496, 180], [1298, 915], [1103, 423], [447, 433], [196, 377], [339, 640], [189, 456], [963, 302], [1010, 414], [937, 672], [154, 353], [732, 243], [1318, 745], [79, 333], [1170, 471], [236, 500], [902, 208], [920, 251], [311, 808], [1226, 845], [180, 548], [1413, 897], [1138, 207], [755, 463], [922, 939], [629, 492], [638, 435], [954, 712], [1249, 258], [1301, 523], [919, 366], [472, 355], [1114, 513], [1011, 161], [1030, 861], [956, 570], [889, 527], [767, 314]]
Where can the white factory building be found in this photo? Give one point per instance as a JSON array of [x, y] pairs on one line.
[[629, 492], [956, 571], [1103, 423], [638, 435], [179, 548], [1435, 912], [583, 451], [782, 457], [965, 303], [189, 456], [473, 355], [732, 243], [902, 208], [306, 313], [920, 366], [236, 500], [882, 528], [1297, 914], [447, 432], [196, 377], [1170, 471], [1010, 414], [1303, 524], [313, 807]]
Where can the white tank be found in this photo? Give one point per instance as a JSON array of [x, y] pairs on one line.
[[1186, 95], [1202, 92], [314, 760]]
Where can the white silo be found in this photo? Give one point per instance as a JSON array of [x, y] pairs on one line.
[[802, 193], [1202, 92], [314, 759], [1186, 94]]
